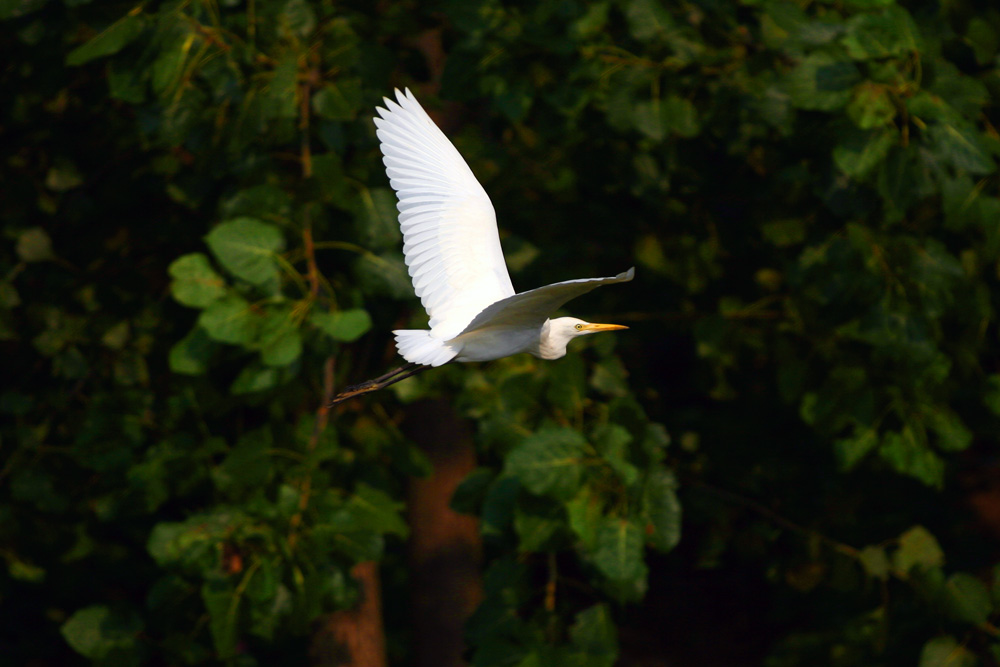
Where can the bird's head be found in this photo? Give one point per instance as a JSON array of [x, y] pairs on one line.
[[562, 330]]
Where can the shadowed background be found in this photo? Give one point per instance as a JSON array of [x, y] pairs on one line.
[[789, 458]]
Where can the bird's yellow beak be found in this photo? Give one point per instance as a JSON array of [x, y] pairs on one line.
[[594, 328]]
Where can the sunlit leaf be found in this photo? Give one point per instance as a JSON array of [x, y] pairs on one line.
[[917, 548], [230, 320], [618, 550], [344, 326], [195, 283]]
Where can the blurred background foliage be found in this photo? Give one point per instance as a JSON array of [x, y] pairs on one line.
[[199, 246]]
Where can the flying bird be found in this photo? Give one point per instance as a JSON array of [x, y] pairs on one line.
[[452, 250]]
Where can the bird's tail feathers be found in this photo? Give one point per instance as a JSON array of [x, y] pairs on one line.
[[417, 346]]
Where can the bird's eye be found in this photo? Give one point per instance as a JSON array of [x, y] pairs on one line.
[[578, 327]]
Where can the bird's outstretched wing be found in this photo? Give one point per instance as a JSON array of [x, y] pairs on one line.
[[450, 239], [532, 308]]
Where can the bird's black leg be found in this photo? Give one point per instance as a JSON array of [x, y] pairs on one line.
[[381, 382], [383, 378]]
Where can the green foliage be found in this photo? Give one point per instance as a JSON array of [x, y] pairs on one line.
[[199, 241]]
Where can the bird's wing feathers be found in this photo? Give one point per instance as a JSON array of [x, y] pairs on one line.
[[532, 308], [450, 239]]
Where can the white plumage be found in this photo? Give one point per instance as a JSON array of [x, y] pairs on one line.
[[452, 250]]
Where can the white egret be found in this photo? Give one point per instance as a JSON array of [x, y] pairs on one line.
[[452, 248]]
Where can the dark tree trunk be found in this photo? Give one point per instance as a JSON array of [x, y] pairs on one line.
[[445, 549]]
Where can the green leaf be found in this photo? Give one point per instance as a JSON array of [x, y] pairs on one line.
[[594, 632], [991, 397], [338, 100], [11, 9], [953, 435], [908, 455], [376, 216], [127, 81], [63, 176], [384, 274], [167, 73], [585, 512], [298, 18], [266, 202], [890, 33], [661, 509], [247, 467], [961, 147], [618, 550], [673, 115], [853, 449], [498, 506], [254, 378], [983, 38], [246, 247], [821, 82], [946, 652], [230, 320], [195, 283], [192, 545], [871, 106], [968, 599], [875, 562], [784, 233], [471, 492], [191, 354], [611, 441], [34, 245], [97, 633], [917, 548], [280, 340], [370, 509], [222, 601], [860, 153], [343, 326], [648, 19], [279, 99], [567, 387], [331, 181], [112, 40], [549, 462], [538, 527]]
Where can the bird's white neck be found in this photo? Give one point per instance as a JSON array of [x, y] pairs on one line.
[[551, 342]]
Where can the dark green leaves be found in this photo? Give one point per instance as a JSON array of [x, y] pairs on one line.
[[247, 248], [891, 32], [662, 510], [110, 41], [660, 118], [105, 636], [862, 152], [822, 82], [549, 462]]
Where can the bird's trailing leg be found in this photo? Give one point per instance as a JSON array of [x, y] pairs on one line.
[[381, 382]]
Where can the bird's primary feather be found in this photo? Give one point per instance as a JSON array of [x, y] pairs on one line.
[[450, 239]]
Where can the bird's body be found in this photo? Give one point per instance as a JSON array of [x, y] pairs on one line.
[[451, 246]]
